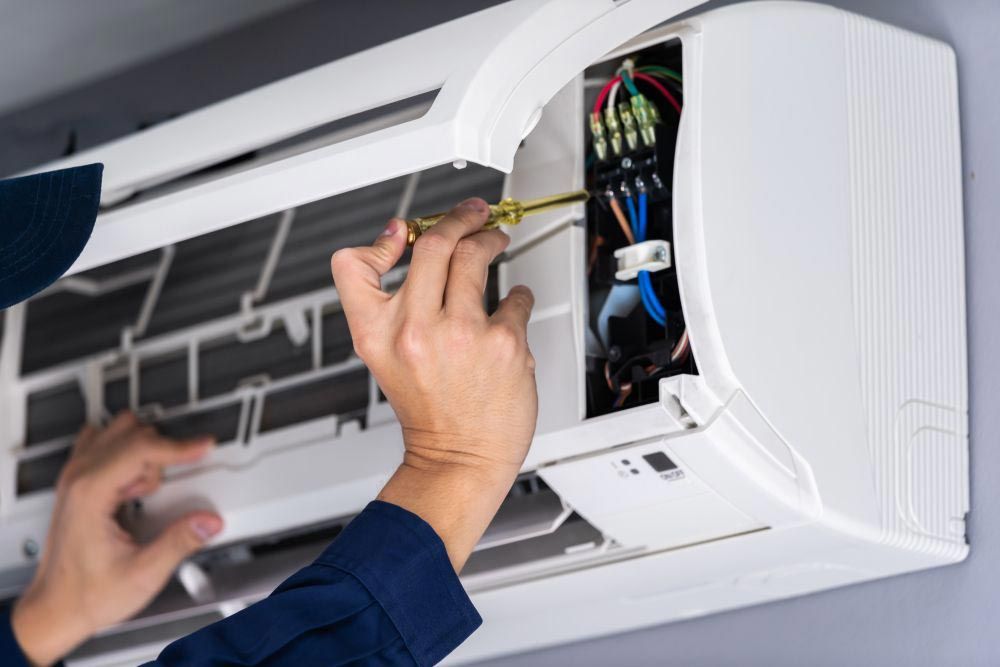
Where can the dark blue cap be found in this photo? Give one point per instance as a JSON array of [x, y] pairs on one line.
[[45, 221]]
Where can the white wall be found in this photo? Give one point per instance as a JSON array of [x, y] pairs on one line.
[[49, 45]]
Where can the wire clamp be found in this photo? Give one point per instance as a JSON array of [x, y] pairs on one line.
[[652, 256]]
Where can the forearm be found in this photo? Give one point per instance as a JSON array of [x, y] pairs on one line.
[[46, 634], [382, 593], [458, 500]]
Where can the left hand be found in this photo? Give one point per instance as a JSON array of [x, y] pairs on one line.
[[92, 574]]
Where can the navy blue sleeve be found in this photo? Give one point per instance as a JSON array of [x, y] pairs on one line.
[[383, 593], [10, 651]]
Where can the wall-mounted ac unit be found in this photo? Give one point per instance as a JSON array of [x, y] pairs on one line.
[[811, 431]]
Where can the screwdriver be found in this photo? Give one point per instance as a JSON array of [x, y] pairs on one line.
[[507, 212]]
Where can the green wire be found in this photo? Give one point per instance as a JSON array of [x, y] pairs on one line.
[[665, 71], [629, 84]]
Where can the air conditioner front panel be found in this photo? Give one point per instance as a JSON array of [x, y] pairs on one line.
[[819, 260]]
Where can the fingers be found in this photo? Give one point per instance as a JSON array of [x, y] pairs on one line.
[[156, 562], [133, 469], [433, 251], [150, 448], [91, 436], [123, 422], [514, 310], [469, 266], [145, 485], [85, 437], [357, 271]]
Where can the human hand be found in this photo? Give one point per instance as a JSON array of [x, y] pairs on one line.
[[461, 382], [91, 573]]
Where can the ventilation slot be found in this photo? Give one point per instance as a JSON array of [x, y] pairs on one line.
[[222, 422], [343, 395], [226, 364], [40, 473], [55, 413]]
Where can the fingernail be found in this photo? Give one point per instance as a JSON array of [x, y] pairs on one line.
[[391, 228], [131, 491], [474, 204], [205, 529]]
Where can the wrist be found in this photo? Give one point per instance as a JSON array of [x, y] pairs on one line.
[[471, 456], [45, 630], [458, 499]]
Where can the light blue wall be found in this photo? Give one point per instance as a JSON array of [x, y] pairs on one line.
[[948, 616]]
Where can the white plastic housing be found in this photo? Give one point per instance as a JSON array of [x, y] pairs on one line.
[[818, 240], [652, 256]]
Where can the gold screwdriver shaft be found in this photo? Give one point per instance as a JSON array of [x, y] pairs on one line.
[[507, 212]]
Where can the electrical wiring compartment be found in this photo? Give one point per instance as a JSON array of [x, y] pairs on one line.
[[636, 331]]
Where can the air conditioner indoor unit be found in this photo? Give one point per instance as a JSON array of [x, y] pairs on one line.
[[794, 420]]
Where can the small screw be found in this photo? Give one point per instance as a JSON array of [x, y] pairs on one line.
[[626, 163], [660, 254], [614, 353], [30, 548]]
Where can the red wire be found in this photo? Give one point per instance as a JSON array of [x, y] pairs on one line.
[[603, 95], [659, 87]]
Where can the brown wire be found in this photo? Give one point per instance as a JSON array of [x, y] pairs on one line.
[[592, 259], [625, 392], [616, 208]]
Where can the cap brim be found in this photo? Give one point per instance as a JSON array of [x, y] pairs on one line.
[[45, 221]]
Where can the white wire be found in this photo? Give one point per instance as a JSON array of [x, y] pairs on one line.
[[627, 65], [613, 94], [680, 347]]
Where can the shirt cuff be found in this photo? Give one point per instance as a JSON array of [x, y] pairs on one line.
[[11, 654], [403, 563]]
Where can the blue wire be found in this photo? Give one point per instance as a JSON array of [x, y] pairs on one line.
[[638, 220], [643, 216], [655, 307], [633, 218], [646, 288], [649, 298], [646, 297]]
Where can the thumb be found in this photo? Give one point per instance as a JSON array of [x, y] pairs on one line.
[[357, 271], [157, 561], [388, 246]]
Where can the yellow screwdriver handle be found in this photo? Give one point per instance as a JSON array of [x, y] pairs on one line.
[[507, 212]]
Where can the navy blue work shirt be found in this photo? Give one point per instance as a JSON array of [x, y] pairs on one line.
[[383, 593]]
